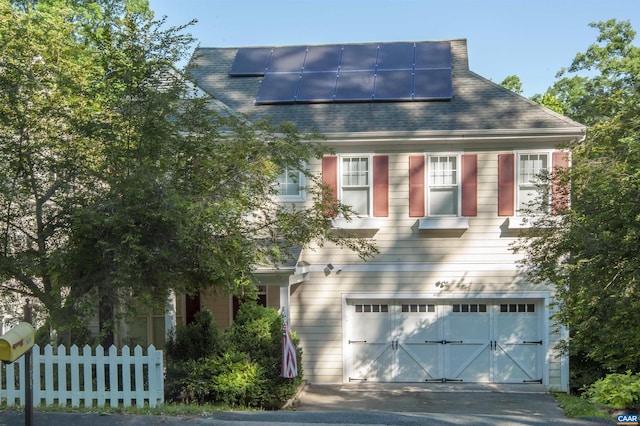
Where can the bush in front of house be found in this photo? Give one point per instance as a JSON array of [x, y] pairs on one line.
[[621, 391], [239, 367], [257, 332]]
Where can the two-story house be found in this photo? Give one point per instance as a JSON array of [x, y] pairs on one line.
[[438, 162]]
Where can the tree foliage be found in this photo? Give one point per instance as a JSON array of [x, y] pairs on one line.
[[121, 181], [591, 252], [513, 83]]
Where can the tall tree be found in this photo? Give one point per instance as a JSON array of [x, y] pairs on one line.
[[122, 182], [45, 157], [513, 83], [591, 252]]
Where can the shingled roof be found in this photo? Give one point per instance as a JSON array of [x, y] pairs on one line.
[[477, 104]]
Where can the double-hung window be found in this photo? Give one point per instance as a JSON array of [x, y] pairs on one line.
[[356, 184], [290, 185], [443, 190], [531, 196]]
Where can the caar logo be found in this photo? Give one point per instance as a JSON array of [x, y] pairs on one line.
[[627, 419]]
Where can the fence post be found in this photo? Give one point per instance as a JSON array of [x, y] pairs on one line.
[[139, 376], [28, 391]]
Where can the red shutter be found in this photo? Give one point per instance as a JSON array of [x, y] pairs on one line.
[[559, 190], [416, 186], [381, 185], [330, 180], [470, 185], [506, 186]]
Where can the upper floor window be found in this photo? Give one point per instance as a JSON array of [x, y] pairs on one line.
[[442, 198], [290, 185], [356, 184], [530, 194], [443, 187]]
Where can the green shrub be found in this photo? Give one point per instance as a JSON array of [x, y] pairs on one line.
[[616, 390], [246, 373], [236, 380], [199, 339], [190, 344], [257, 332], [229, 378]]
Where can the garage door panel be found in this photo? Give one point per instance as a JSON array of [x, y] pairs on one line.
[[371, 322], [470, 340], [517, 363], [372, 362], [469, 362], [518, 343], [466, 321], [418, 362], [418, 326]]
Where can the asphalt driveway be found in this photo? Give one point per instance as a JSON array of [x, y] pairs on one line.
[[456, 403], [364, 404]]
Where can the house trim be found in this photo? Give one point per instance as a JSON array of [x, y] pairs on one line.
[[556, 136]]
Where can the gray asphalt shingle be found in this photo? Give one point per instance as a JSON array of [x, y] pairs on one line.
[[478, 104]]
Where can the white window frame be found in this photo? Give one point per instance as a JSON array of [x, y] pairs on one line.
[[302, 182], [369, 185], [458, 184], [518, 199]]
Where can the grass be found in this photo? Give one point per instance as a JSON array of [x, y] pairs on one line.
[[168, 409], [577, 407]]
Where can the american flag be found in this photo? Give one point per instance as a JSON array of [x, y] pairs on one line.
[[289, 364]]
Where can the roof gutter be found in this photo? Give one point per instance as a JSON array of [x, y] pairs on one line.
[[558, 135]]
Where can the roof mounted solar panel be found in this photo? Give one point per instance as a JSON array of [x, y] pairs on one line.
[[287, 59], [323, 58], [278, 88], [433, 54], [371, 72], [250, 61], [355, 86], [433, 84], [395, 56], [317, 86], [393, 85], [359, 57]]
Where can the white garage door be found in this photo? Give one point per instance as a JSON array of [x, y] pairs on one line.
[[444, 341]]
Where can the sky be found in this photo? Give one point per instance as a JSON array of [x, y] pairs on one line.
[[532, 39]]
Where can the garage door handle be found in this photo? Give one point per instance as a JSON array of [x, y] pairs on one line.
[[440, 342], [536, 342], [357, 341], [444, 342]]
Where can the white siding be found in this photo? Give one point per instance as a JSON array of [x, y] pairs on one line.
[[445, 263]]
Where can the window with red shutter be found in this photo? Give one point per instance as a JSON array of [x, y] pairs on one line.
[[506, 184], [330, 180], [381, 185], [559, 190], [361, 182], [469, 185], [416, 185]]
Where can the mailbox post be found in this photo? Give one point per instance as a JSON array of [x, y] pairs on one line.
[[13, 344], [28, 388]]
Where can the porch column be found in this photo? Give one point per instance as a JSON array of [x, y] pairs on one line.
[[170, 316]]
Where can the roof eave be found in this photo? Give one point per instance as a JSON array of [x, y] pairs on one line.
[[555, 135]]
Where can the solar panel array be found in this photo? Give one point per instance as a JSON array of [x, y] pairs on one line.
[[349, 73]]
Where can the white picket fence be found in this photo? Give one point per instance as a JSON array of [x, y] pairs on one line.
[[85, 378]]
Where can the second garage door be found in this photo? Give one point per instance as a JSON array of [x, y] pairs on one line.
[[444, 341]]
